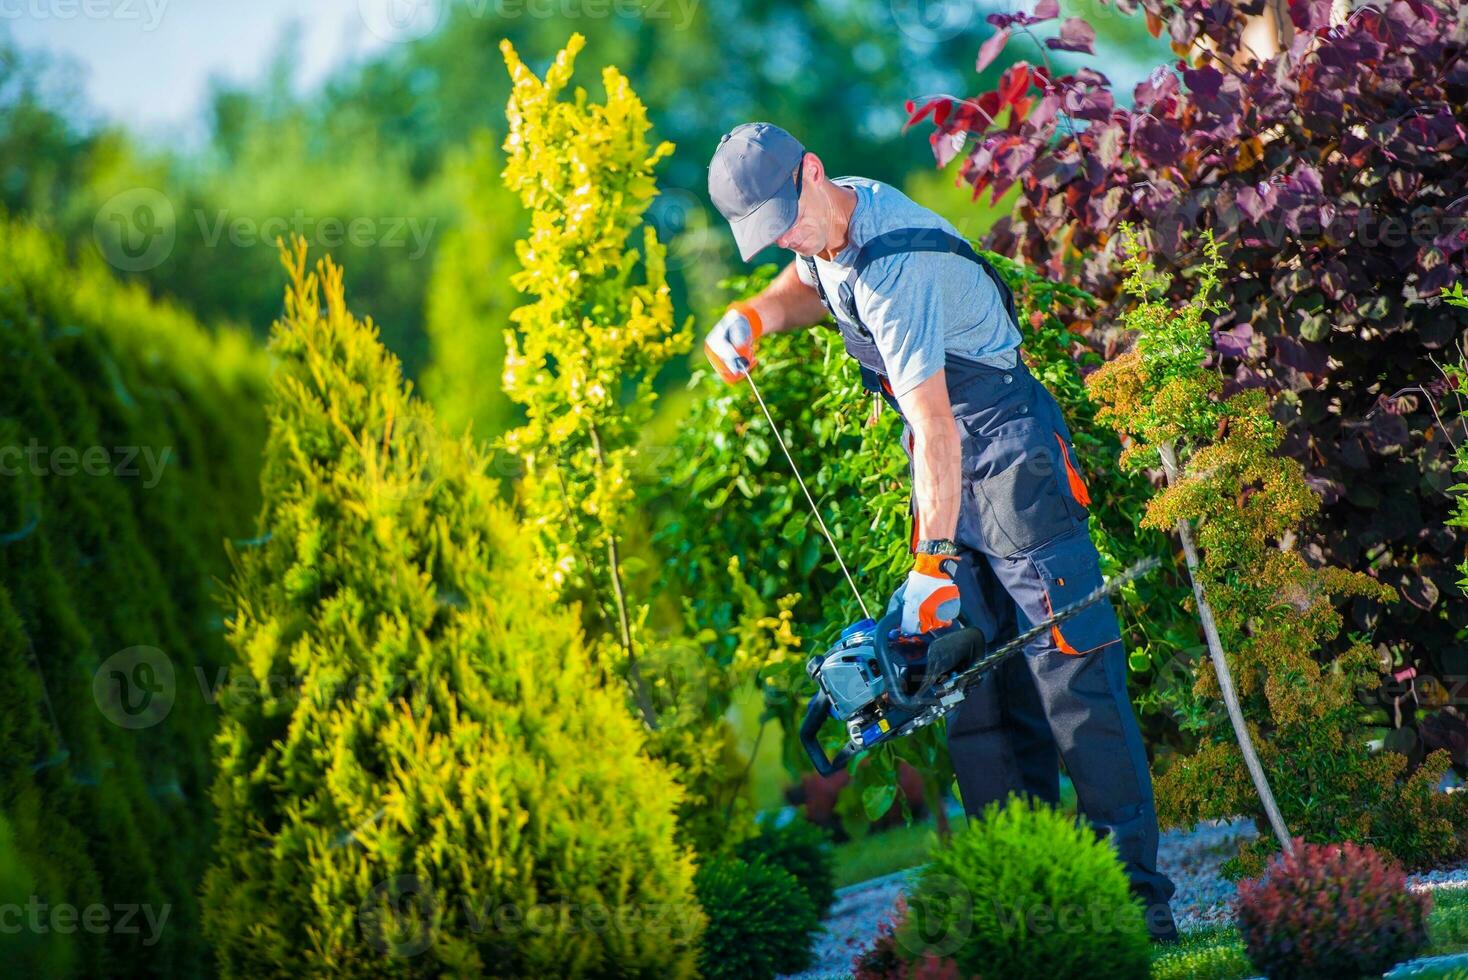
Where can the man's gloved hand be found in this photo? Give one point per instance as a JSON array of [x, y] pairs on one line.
[[730, 344], [929, 599]]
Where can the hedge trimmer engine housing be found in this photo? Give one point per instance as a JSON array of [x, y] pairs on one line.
[[855, 679]]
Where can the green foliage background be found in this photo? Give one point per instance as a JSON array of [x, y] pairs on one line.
[[95, 563]]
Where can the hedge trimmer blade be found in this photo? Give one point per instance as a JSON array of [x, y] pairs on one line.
[[1106, 589]]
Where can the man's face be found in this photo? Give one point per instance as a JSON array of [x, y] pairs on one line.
[[811, 232]]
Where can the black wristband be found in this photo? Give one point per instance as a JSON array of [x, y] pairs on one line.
[[936, 546]]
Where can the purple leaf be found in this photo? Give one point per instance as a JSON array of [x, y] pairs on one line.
[[1075, 35], [1203, 82], [1095, 104], [1046, 10], [1310, 15], [991, 48], [1401, 27], [1160, 141], [1234, 342], [1044, 112], [1302, 355], [1154, 88]]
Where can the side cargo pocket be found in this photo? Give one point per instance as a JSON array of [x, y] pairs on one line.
[[1069, 568]]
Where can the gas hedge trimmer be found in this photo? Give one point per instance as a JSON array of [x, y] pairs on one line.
[[884, 687]]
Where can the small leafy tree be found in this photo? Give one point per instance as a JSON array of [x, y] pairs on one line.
[[414, 746], [582, 362], [1269, 615]]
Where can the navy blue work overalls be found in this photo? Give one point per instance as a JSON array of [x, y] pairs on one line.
[[1026, 551]]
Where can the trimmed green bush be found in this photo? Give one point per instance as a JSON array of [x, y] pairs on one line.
[[801, 848], [129, 444], [761, 921], [1331, 910], [440, 785], [1025, 890]]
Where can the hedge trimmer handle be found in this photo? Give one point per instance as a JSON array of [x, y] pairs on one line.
[[810, 729]]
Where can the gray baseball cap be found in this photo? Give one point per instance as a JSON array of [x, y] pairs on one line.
[[751, 182]]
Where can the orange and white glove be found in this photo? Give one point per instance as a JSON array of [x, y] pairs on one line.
[[730, 344], [929, 598]]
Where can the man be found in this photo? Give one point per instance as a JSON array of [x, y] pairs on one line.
[[999, 507]]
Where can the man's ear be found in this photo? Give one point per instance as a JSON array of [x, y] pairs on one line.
[[815, 170]]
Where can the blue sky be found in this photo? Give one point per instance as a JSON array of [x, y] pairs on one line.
[[146, 63]]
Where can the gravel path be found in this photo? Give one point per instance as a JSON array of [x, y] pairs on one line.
[[1190, 857]]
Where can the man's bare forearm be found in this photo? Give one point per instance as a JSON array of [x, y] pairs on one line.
[[936, 480], [937, 457], [787, 303]]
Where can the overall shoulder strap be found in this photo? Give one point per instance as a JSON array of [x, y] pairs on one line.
[[815, 277], [931, 240]]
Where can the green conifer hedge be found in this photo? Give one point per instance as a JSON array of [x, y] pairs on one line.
[[440, 786], [129, 440]]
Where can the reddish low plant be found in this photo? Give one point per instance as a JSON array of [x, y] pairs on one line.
[[884, 959], [1331, 910]]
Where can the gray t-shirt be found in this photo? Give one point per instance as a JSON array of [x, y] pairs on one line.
[[917, 305]]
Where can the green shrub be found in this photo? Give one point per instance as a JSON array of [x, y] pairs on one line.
[[804, 850], [129, 444], [1331, 910], [1026, 891], [1225, 961], [760, 920], [442, 768], [1447, 925]]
